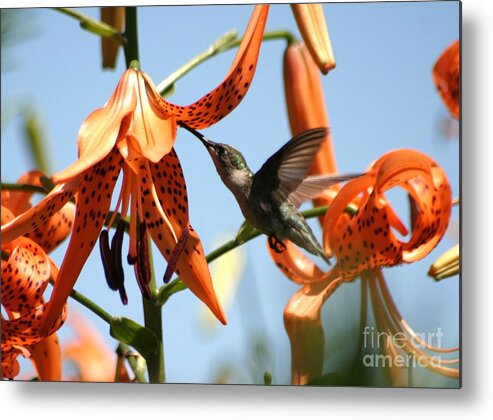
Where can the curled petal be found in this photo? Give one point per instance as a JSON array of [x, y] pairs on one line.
[[10, 367], [311, 23], [367, 240], [27, 330], [24, 277], [218, 103], [446, 74], [296, 265]]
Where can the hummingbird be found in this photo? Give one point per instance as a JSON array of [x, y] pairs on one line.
[[270, 198]]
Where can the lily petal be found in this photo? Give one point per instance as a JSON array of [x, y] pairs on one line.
[[304, 327], [446, 74], [368, 241], [93, 202], [24, 276], [100, 130], [47, 359], [154, 132], [39, 216], [169, 183], [55, 229], [218, 103]]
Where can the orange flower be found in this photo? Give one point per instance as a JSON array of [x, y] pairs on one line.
[[25, 275], [446, 74], [363, 242], [135, 132]]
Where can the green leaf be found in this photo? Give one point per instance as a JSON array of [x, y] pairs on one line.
[[129, 332]]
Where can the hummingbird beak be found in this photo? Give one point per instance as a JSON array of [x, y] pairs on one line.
[[205, 141]]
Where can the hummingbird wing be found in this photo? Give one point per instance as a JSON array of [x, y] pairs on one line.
[[313, 186], [285, 170]]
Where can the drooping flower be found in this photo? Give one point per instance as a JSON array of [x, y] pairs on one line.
[[311, 23], [134, 133], [363, 242], [446, 74], [25, 275]]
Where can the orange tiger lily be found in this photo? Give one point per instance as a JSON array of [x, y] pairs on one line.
[[25, 275], [135, 132], [446, 74], [363, 243]]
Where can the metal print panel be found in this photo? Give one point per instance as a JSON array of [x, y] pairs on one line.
[[234, 194]]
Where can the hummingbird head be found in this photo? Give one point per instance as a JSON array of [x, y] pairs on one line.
[[229, 162], [225, 157]]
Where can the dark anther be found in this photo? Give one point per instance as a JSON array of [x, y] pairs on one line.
[[116, 248], [276, 245], [142, 267], [175, 255], [131, 259], [107, 258], [116, 252]]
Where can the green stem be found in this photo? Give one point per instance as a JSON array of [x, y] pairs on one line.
[[131, 45], [92, 25], [177, 285], [226, 42], [89, 304], [23, 187], [153, 320]]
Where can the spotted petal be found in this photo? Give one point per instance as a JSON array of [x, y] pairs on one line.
[[95, 188], [169, 184], [367, 240], [47, 358], [218, 103], [38, 217], [24, 276]]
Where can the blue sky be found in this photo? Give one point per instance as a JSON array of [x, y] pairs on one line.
[[380, 97]]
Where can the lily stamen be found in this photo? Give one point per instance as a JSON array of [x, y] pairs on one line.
[[175, 255], [142, 267]]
